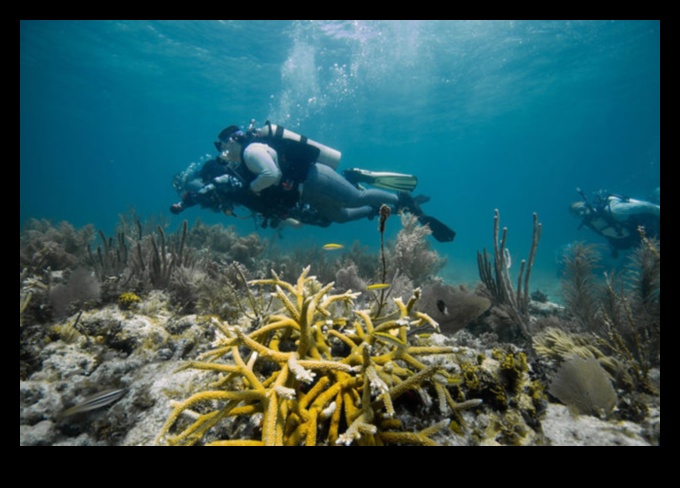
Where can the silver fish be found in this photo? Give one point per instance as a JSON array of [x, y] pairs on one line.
[[98, 400]]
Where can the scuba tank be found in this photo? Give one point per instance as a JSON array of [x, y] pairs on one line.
[[327, 155]]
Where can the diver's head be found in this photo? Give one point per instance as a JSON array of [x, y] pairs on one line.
[[579, 209], [230, 142], [228, 135], [231, 133]]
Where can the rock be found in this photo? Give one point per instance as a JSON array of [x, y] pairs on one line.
[[564, 429]]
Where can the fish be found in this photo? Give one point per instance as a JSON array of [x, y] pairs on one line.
[[441, 306], [331, 246], [378, 286], [98, 400]]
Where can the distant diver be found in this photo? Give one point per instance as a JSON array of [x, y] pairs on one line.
[[617, 218], [286, 178]]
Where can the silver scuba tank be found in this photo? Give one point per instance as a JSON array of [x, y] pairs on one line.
[[328, 155]]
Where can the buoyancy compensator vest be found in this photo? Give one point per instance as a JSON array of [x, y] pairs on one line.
[[296, 153], [325, 155]]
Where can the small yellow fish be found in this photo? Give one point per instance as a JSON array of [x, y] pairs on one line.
[[332, 247], [378, 286]]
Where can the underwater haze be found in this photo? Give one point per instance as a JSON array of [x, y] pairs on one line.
[[507, 115]]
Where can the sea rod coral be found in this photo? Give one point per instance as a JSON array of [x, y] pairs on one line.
[[318, 372]]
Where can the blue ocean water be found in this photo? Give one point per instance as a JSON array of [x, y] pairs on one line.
[[508, 115]]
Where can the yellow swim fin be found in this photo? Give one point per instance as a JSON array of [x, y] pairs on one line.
[[381, 179]]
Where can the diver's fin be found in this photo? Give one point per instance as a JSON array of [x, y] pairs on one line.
[[440, 231], [381, 179], [420, 199]]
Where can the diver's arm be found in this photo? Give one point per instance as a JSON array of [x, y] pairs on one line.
[[262, 160], [227, 183]]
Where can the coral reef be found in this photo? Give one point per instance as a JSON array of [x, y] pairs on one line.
[[189, 264], [44, 246], [632, 314], [620, 335], [224, 244], [580, 288], [127, 300], [452, 308], [583, 385], [81, 289], [512, 302], [348, 278], [314, 376], [622, 325], [411, 253], [297, 360]]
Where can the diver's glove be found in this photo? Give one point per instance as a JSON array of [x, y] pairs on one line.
[[176, 208], [228, 182]]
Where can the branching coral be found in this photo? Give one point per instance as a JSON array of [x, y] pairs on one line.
[[412, 254], [144, 262], [580, 288], [42, 245], [633, 334], [82, 289], [313, 374], [225, 243], [498, 282], [112, 258]]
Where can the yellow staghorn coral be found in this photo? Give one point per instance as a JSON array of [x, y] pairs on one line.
[[311, 377], [127, 300]]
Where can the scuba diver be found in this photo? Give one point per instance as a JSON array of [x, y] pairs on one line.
[[617, 218], [285, 177]]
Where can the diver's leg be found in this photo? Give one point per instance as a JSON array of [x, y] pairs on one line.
[[337, 199], [324, 187], [343, 214]]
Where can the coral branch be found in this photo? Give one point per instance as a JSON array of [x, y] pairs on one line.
[[499, 284], [302, 395]]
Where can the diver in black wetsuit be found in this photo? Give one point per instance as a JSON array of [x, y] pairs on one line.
[[281, 179], [617, 218]]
